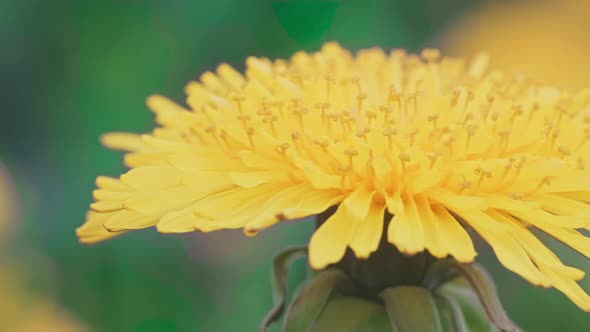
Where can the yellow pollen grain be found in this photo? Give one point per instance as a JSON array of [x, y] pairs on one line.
[[351, 153], [580, 163], [481, 173], [250, 133], [433, 118], [464, 184], [239, 99], [545, 181], [411, 136], [432, 156], [282, 148], [405, 158]]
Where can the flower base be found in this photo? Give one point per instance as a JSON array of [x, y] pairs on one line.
[[389, 291]]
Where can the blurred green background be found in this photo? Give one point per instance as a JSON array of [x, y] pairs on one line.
[[72, 70]]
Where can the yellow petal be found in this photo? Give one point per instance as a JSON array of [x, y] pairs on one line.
[[196, 94], [158, 202], [570, 237], [328, 243], [93, 230], [226, 203], [258, 69], [140, 159], [152, 177], [539, 253], [481, 221], [92, 239], [212, 83], [560, 205], [259, 161], [167, 145], [382, 169], [254, 213], [359, 202], [582, 196], [368, 231], [433, 241], [507, 203], [110, 195], [572, 290], [515, 259], [508, 250], [426, 180], [168, 113], [122, 141], [205, 160], [124, 220], [457, 240], [537, 217], [106, 206], [105, 182], [566, 183], [455, 201], [320, 179], [316, 202], [206, 182], [273, 208], [394, 203], [231, 76], [406, 230], [252, 179], [177, 222]]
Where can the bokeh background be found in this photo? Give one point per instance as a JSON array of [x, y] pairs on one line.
[[72, 70]]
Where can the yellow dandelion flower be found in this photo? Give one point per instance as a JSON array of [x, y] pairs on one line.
[[529, 38], [434, 144]]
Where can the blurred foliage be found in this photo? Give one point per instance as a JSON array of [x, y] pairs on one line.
[[71, 70]]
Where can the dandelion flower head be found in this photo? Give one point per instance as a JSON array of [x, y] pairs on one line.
[[435, 144]]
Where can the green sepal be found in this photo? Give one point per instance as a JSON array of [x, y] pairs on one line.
[[454, 319], [445, 315], [465, 297], [453, 297], [379, 323], [411, 309], [352, 314], [281, 265], [480, 281], [312, 297]]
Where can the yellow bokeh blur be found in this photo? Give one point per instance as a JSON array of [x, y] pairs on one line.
[[547, 40], [21, 309], [7, 202]]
